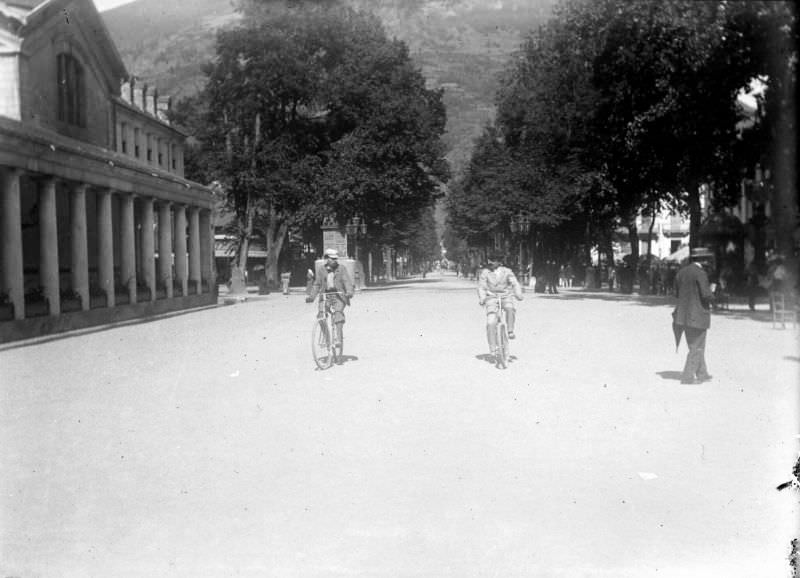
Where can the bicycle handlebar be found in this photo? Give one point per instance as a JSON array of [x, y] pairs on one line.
[[500, 295]]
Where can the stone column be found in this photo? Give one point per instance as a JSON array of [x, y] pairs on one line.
[[165, 246], [206, 249], [79, 246], [13, 281], [148, 247], [194, 248], [105, 246], [48, 245], [181, 266], [127, 253]]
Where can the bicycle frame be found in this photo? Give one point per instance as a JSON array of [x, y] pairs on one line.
[[501, 331], [323, 347]]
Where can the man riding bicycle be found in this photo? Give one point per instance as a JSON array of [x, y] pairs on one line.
[[495, 281], [335, 282]]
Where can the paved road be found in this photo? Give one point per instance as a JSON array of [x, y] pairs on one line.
[[207, 445]]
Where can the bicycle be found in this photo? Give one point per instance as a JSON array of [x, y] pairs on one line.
[[325, 350], [501, 330]]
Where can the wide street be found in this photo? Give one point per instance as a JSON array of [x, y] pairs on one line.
[[206, 444]]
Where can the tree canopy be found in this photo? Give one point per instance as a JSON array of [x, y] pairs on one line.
[[311, 110], [612, 108]]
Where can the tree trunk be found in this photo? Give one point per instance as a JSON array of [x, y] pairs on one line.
[[274, 237], [650, 235], [238, 278], [633, 239], [695, 214], [784, 201]]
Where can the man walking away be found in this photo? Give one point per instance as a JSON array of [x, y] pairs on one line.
[[692, 314]]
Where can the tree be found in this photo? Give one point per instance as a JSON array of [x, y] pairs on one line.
[[545, 105], [636, 101], [310, 110], [765, 37]]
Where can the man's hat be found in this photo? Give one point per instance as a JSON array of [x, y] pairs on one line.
[[331, 253], [700, 253]]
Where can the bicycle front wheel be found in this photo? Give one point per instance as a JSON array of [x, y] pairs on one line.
[[322, 344], [502, 345]]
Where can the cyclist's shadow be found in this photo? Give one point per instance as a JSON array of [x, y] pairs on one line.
[[345, 359], [491, 358]]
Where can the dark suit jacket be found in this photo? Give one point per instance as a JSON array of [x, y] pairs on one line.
[[694, 297], [341, 281]]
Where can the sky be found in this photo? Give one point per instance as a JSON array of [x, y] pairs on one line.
[[103, 5]]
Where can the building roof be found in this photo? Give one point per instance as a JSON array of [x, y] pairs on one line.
[[31, 13], [28, 4]]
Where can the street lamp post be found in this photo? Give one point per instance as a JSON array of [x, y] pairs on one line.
[[356, 228], [521, 225]]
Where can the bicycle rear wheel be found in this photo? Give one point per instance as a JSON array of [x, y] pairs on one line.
[[322, 344], [502, 345]]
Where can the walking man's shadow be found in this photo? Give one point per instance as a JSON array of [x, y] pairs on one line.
[[672, 375]]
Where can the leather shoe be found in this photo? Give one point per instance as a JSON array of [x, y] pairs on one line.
[[691, 381], [706, 377]]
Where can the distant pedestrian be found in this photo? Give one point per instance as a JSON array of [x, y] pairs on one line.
[[551, 277], [692, 315], [777, 275], [309, 280], [570, 275], [286, 278]]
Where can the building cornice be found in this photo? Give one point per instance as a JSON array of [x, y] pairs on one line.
[[146, 116], [41, 151]]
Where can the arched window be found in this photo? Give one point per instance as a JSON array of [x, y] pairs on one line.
[[71, 91]]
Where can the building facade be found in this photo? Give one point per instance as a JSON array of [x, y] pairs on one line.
[[97, 222]]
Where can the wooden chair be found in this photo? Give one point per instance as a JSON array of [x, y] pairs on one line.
[[783, 310]]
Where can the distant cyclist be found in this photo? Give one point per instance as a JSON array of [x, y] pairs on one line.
[[498, 280], [335, 282]]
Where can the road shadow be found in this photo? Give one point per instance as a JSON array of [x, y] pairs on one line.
[[346, 359], [792, 358], [71, 333], [340, 361], [599, 295], [737, 307], [410, 283], [670, 375], [491, 360]]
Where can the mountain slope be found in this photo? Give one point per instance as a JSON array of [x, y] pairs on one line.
[[459, 45]]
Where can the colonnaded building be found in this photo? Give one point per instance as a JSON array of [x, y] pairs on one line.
[[97, 223]]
